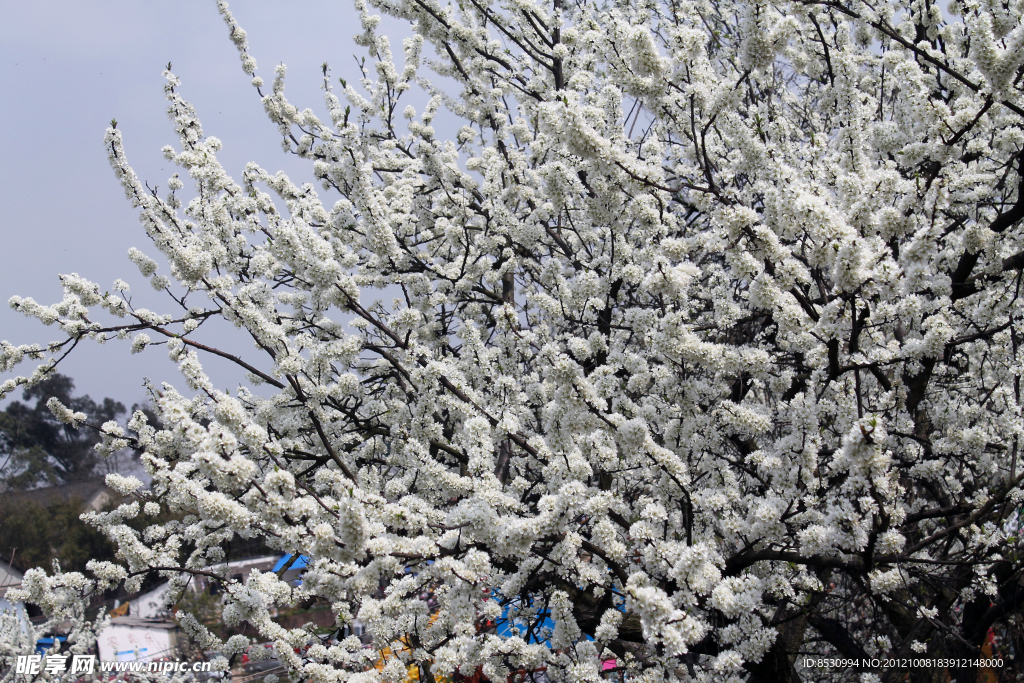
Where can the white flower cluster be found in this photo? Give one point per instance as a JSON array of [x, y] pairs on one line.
[[704, 347], [62, 599]]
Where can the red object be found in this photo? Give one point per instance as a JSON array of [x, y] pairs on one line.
[[477, 677]]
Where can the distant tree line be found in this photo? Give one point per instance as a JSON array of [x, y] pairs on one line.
[[37, 452]]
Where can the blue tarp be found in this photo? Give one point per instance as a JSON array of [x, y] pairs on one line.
[[44, 644], [504, 625], [298, 564]]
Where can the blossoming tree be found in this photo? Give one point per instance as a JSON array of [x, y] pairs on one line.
[[704, 350]]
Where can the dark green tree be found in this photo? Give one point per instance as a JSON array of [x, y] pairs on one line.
[[33, 535], [37, 450]]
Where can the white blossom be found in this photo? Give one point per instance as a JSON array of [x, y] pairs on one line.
[[697, 347]]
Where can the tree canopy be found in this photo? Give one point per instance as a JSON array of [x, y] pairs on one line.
[[696, 348], [36, 449]]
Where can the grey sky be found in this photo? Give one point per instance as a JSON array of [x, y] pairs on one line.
[[66, 68]]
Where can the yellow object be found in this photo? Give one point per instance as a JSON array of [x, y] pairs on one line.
[[412, 671]]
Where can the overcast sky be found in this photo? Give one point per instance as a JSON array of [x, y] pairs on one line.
[[66, 68]]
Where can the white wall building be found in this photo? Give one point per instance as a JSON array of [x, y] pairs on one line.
[[11, 578], [130, 639], [150, 605]]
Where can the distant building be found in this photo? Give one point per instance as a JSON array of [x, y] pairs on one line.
[[130, 639], [11, 578], [238, 570], [150, 605]]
